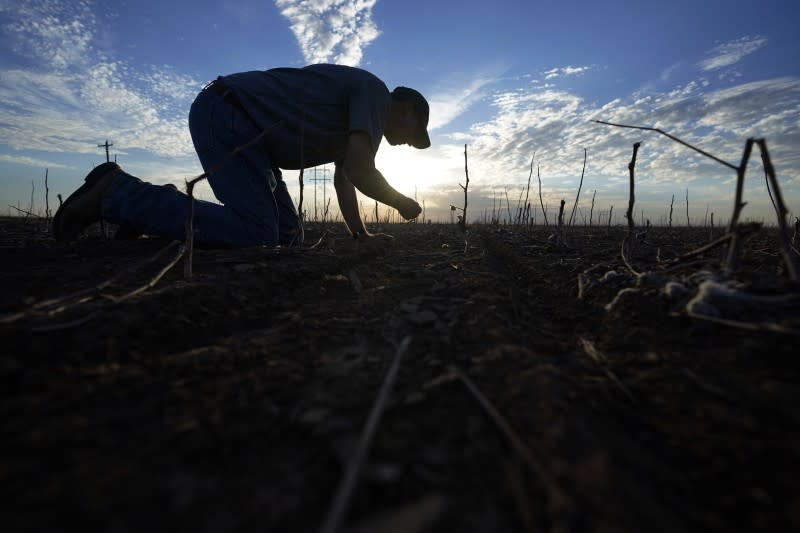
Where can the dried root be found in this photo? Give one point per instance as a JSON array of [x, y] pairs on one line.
[[731, 304]]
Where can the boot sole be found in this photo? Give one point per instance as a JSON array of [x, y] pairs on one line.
[[97, 174]]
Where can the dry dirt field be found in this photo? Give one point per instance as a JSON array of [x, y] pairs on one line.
[[236, 401]]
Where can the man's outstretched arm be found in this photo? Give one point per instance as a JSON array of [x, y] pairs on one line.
[[360, 171], [348, 203]]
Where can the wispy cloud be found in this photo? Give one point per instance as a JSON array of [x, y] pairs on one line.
[[57, 33], [447, 105], [565, 71], [30, 161], [732, 52], [557, 125], [66, 94], [334, 31]]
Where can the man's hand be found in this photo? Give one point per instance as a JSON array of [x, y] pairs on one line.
[[409, 209], [373, 242], [376, 236]]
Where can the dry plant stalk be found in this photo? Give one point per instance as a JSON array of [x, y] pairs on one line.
[[711, 231], [341, 501], [46, 196], [688, 222], [463, 223], [544, 211], [526, 205], [24, 211], [671, 204], [152, 282], [631, 195], [646, 128], [601, 360], [628, 241], [577, 196], [300, 236], [556, 496], [54, 306], [33, 189], [765, 163], [732, 260], [781, 211], [301, 233]]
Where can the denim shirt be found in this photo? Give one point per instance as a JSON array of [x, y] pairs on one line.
[[317, 106]]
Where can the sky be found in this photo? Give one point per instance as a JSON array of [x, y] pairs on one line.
[[516, 82]]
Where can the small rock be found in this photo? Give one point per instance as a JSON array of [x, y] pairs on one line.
[[244, 267], [420, 318], [314, 416], [651, 357], [409, 307], [384, 472], [414, 397], [760, 495]]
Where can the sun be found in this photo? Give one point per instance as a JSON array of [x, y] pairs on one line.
[[410, 170]]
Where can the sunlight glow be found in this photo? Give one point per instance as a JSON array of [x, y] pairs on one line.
[[405, 168]]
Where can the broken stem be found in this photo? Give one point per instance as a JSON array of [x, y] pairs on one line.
[[150, 284], [676, 139], [732, 261], [524, 452], [465, 187], [57, 305], [628, 241], [527, 189], [344, 492], [544, 211], [577, 196], [780, 210], [46, 196]]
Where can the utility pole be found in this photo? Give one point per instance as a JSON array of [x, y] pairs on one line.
[[106, 145], [323, 179], [315, 194], [324, 188]]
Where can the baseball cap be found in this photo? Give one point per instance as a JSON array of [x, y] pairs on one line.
[[406, 94]]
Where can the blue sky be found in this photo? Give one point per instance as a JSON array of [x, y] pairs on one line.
[[506, 78]]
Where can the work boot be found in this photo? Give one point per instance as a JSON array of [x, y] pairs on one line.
[[82, 208]]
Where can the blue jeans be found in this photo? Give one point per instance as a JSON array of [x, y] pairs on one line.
[[256, 210]]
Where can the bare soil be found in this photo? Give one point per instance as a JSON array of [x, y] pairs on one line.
[[234, 401]]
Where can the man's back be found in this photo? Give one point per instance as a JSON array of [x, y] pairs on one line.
[[320, 103]]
